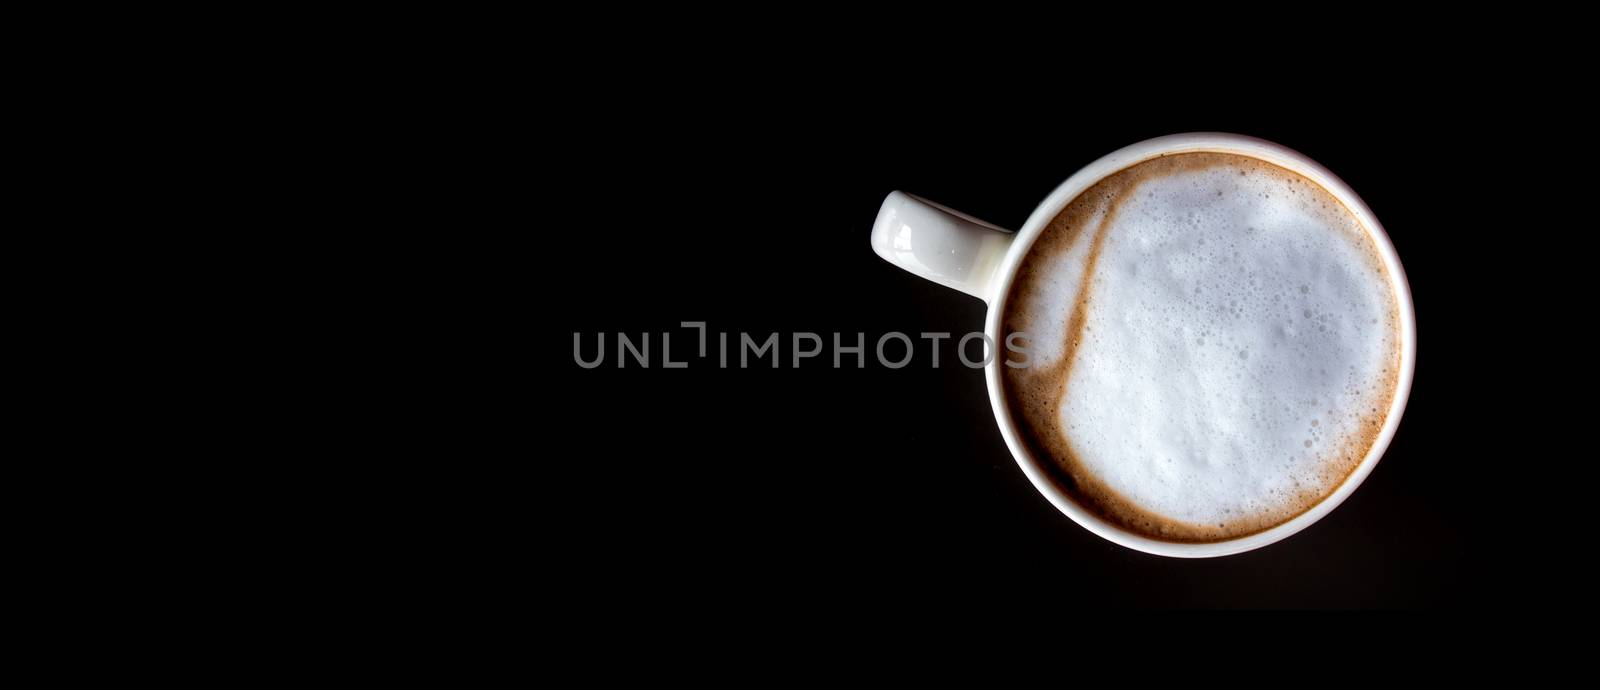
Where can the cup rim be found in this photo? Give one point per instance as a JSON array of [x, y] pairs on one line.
[[1197, 142]]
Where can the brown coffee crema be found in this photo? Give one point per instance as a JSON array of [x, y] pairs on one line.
[[1035, 396]]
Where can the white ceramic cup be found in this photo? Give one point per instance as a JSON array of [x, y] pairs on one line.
[[980, 259]]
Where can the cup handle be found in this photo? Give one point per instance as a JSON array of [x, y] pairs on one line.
[[945, 246]]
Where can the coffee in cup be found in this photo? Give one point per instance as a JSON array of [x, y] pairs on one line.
[[1215, 344]]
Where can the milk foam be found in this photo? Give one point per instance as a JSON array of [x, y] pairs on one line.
[[1232, 352]]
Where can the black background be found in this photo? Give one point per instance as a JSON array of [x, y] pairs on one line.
[[656, 199]]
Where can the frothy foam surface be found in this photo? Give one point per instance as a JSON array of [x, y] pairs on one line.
[[1214, 346]]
